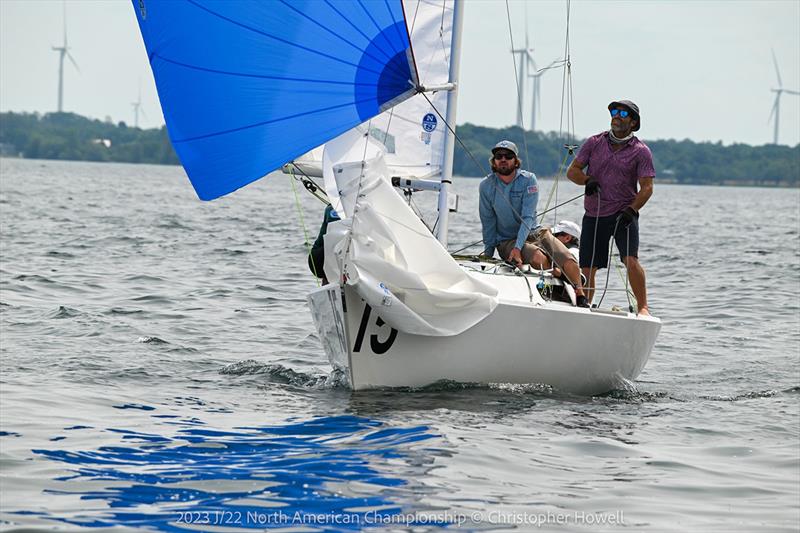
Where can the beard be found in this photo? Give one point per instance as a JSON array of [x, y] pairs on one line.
[[505, 171]]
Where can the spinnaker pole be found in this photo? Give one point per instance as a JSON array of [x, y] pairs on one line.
[[450, 118]]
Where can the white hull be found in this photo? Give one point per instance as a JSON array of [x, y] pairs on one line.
[[572, 349]]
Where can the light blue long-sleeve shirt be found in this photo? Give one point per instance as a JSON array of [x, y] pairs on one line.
[[508, 211]]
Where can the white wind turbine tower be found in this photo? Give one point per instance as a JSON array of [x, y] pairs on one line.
[[137, 108], [528, 70], [62, 52], [525, 59], [776, 107]]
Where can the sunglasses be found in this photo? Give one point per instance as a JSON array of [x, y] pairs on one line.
[[505, 156], [621, 112]]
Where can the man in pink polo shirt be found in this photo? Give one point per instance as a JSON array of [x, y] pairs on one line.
[[611, 165]]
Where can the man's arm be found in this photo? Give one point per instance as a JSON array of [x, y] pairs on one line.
[[528, 214], [644, 194], [488, 221], [575, 173]]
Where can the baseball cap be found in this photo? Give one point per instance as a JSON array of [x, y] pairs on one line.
[[506, 145], [568, 227]]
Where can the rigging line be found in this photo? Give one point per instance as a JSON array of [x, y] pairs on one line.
[[284, 41], [570, 103], [570, 94], [564, 75], [543, 213], [305, 230], [608, 266], [554, 191], [414, 18], [628, 293], [567, 75], [307, 179], [516, 82], [481, 169], [467, 246], [594, 247], [388, 126], [558, 63]]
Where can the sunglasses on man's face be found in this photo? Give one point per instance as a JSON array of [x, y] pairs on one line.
[[623, 113], [506, 156]]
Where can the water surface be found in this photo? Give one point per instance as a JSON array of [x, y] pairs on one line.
[[160, 370]]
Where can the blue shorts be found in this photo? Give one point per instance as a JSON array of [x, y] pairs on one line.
[[594, 249]]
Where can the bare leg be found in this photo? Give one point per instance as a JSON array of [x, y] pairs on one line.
[[589, 273], [637, 278]]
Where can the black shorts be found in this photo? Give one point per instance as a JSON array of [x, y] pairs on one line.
[[594, 249]]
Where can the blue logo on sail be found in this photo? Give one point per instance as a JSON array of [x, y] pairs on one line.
[[429, 122]]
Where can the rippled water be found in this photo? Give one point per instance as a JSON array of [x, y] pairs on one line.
[[160, 370]]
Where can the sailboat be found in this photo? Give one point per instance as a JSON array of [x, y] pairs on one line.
[[248, 86]]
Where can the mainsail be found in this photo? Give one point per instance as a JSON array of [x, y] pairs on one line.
[[246, 86]]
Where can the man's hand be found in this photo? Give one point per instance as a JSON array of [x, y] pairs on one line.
[[592, 186], [515, 257], [627, 216]]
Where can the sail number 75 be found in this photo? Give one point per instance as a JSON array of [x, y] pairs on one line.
[[376, 345]]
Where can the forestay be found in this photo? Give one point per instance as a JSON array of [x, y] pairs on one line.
[[247, 85]]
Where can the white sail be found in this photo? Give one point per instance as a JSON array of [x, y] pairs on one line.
[[416, 131], [412, 133]]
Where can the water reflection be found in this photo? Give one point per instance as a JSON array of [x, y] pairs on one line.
[[330, 473]]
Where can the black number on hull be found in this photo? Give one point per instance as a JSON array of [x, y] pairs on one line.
[[377, 346]]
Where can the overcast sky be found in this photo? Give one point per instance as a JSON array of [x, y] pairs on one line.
[[700, 70]]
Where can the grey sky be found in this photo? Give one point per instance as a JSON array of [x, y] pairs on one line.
[[698, 69]]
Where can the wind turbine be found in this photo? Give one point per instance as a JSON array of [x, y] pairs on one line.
[[536, 75], [525, 58], [776, 107], [137, 107], [528, 70], [62, 52]]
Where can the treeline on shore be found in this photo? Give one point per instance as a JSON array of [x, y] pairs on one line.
[[73, 137], [684, 161]]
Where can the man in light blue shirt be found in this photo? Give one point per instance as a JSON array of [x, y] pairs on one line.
[[508, 198]]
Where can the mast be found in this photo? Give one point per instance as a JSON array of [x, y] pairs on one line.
[[450, 119]]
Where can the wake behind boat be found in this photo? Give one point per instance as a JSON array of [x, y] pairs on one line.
[[376, 83]]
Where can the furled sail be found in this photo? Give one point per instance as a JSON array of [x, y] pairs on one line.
[[388, 255], [247, 85]]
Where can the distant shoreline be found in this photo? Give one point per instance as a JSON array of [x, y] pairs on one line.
[[71, 137], [659, 181]]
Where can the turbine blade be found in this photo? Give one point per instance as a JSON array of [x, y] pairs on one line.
[[72, 60], [141, 110], [64, 19], [792, 92], [774, 108], [777, 71]]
